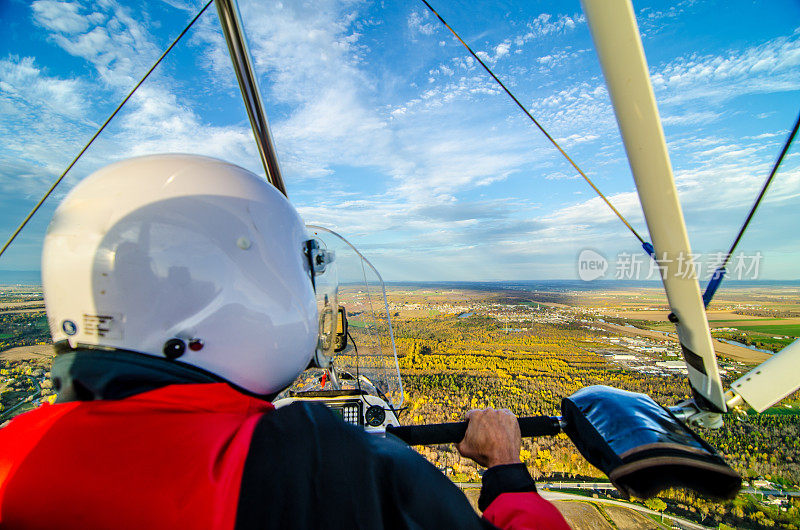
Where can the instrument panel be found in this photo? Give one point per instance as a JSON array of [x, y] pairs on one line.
[[352, 406]]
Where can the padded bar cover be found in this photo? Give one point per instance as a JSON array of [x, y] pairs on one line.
[[642, 447]]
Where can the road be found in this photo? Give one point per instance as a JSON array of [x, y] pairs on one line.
[[545, 487], [606, 486], [7, 413], [774, 493], [558, 496], [577, 485], [17, 311]]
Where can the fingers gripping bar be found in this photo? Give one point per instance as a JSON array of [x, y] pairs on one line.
[[445, 433]]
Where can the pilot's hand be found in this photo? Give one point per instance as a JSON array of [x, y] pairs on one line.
[[492, 437]]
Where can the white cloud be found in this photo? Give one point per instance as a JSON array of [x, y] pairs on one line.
[[560, 58], [579, 113], [428, 153], [498, 52], [773, 66], [159, 123], [585, 106], [65, 17], [720, 185], [573, 139], [652, 21], [117, 45], [53, 116], [561, 176], [23, 83], [545, 25], [421, 23], [501, 50], [183, 5], [595, 211], [702, 117], [41, 116], [442, 167], [764, 136], [312, 61]]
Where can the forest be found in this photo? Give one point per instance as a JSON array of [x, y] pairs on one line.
[[23, 329], [451, 365]]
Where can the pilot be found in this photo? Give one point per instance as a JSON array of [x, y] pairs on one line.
[[180, 299]]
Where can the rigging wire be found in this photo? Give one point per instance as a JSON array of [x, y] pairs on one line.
[[716, 279], [647, 246], [96, 134]]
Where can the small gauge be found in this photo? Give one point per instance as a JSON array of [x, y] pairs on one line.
[[375, 416]]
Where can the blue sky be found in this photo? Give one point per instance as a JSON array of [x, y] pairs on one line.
[[388, 133]]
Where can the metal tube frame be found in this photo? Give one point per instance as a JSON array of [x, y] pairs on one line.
[[231, 24], [619, 46]]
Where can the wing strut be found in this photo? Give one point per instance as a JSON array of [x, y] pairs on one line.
[[616, 36], [231, 24]]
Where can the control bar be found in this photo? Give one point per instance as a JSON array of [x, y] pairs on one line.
[[446, 433]]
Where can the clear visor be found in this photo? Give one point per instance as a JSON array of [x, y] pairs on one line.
[[322, 261], [368, 362]]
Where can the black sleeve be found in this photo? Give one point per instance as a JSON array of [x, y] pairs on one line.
[[504, 479], [308, 469]]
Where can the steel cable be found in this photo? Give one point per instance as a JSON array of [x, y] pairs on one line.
[[552, 140], [96, 134]]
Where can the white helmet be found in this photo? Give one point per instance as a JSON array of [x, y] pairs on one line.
[[189, 258]]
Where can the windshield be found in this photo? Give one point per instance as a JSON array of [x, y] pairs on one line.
[[369, 362], [326, 281]]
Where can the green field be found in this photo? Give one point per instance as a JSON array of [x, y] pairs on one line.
[[6, 336], [778, 411], [791, 330], [741, 320]]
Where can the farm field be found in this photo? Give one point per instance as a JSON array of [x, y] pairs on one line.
[[626, 518], [584, 516], [770, 326], [745, 319]]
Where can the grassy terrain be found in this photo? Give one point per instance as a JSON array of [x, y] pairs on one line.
[[750, 338], [778, 411], [738, 322], [789, 330]]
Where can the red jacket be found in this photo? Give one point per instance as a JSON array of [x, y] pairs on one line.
[[178, 456]]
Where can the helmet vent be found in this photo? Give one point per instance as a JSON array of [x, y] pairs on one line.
[[174, 348]]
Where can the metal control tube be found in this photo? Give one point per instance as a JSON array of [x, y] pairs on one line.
[[240, 56]]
